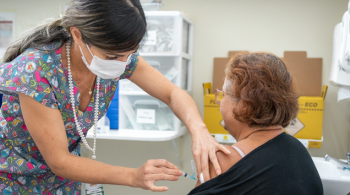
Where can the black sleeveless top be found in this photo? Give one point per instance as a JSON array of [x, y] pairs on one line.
[[280, 166]]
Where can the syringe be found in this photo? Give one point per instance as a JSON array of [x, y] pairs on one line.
[[193, 164], [189, 176]]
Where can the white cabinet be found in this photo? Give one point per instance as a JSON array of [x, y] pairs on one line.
[[168, 49]]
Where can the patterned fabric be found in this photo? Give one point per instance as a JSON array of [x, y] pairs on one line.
[[41, 75]]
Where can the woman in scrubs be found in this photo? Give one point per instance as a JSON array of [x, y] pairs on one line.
[[58, 81]]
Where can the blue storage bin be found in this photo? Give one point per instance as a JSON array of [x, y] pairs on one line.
[[114, 105], [113, 110]]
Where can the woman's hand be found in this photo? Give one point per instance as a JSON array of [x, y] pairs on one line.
[[204, 148], [154, 170]]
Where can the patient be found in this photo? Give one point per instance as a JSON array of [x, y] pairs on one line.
[[257, 100]]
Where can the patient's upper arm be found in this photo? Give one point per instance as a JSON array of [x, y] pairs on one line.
[[225, 161]]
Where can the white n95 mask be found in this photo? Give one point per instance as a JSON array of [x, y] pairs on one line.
[[106, 69]]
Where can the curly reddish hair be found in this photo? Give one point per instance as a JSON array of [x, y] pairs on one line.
[[262, 89]]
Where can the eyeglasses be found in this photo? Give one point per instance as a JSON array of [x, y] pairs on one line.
[[219, 95]]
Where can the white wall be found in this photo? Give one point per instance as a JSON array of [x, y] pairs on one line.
[[273, 26], [220, 26]]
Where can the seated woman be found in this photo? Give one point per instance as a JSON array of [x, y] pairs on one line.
[[257, 100]]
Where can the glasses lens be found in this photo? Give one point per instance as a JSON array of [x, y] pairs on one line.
[[219, 96]]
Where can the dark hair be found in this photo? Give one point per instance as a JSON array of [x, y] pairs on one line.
[[262, 89], [111, 25]]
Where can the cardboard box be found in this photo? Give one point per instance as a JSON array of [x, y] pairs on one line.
[[233, 53], [307, 72], [219, 72], [219, 69], [213, 118], [307, 125]]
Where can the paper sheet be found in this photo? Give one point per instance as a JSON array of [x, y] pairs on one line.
[[343, 93], [7, 21]]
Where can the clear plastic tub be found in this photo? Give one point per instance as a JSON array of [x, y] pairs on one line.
[[162, 35], [145, 113], [166, 31], [127, 85], [165, 65], [103, 125], [151, 5]]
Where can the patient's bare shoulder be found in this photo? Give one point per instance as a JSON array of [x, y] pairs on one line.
[[225, 161]]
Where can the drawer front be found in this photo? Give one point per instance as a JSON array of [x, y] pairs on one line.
[[144, 113]]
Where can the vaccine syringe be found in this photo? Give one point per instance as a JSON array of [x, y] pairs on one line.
[[194, 170], [189, 176]]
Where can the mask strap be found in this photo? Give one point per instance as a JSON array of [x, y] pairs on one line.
[[89, 50], [81, 51], [129, 57]]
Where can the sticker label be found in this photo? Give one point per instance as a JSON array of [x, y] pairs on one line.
[[146, 116], [294, 127], [152, 38]]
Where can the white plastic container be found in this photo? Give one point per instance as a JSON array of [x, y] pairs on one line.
[[151, 5], [145, 113], [103, 125], [126, 85], [169, 32], [170, 67]]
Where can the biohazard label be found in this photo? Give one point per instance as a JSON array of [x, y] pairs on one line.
[[294, 127]]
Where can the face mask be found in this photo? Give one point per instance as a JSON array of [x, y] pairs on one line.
[[106, 69]]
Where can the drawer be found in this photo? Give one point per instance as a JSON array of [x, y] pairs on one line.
[[161, 35], [168, 66], [144, 113]]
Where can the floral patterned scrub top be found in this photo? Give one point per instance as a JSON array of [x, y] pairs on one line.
[[40, 74]]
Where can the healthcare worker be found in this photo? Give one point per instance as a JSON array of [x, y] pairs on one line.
[[58, 81]]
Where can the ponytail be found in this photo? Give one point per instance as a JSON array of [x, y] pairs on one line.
[[47, 32], [109, 25]]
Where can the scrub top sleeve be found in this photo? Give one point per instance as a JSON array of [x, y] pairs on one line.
[[130, 68], [30, 74]]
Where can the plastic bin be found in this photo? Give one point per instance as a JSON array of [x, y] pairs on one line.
[[161, 34], [113, 111], [165, 65], [166, 32], [145, 113]]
